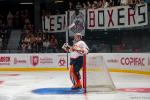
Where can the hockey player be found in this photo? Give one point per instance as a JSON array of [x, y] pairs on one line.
[[77, 51]]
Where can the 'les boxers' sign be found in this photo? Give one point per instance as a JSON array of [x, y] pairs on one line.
[[117, 17]]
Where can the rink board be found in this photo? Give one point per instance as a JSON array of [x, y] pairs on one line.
[[116, 62]]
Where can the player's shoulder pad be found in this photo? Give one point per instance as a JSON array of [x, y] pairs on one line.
[[81, 42]]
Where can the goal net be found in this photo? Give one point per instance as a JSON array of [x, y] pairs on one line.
[[96, 77]]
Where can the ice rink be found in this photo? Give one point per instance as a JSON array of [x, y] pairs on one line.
[[19, 86]]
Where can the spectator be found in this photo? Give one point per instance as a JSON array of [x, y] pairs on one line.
[[70, 5], [22, 19], [89, 4], [29, 48], [1, 43], [34, 47], [136, 50], [43, 13], [106, 4], [10, 20], [33, 39], [39, 43], [27, 39], [116, 2], [4, 31], [100, 4], [111, 3], [23, 47], [94, 48], [16, 20], [138, 1], [94, 5], [53, 43], [124, 2], [27, 21], [46, 45], [28, 27], [84, 6], [78, 6], [26, 14], [132, 4], [44, 37], [1, 19]]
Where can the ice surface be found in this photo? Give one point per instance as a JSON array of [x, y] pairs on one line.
[[19, 87]]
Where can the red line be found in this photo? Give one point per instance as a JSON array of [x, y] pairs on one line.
[[5, 75], [1, 82]]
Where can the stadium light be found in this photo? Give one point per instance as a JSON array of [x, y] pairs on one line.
[[59, 1], [26, 3]]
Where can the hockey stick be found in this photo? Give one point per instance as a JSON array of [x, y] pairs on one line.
[[67, 35]]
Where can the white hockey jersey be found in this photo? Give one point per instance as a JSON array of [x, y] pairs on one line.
[[82, 45]]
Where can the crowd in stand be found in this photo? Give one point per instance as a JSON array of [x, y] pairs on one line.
[[103, 4], [101, 47], [3, 32], [33, 42], [4, 36], [95, 4], [12, 20], [38, 41], [16, 19]]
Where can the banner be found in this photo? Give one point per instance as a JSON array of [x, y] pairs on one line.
[[117, 17], [126, 61], [101, 18], [78, 18], [50, 60], [55, 23]]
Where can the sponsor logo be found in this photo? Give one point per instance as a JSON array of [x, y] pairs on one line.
[[46, 60], [112, 61], [148, 61], [4, 60], [34, 60], [62, 62], [132, 61], [20, 61]]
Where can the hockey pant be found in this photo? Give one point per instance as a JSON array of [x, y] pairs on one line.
[[75, 77]]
